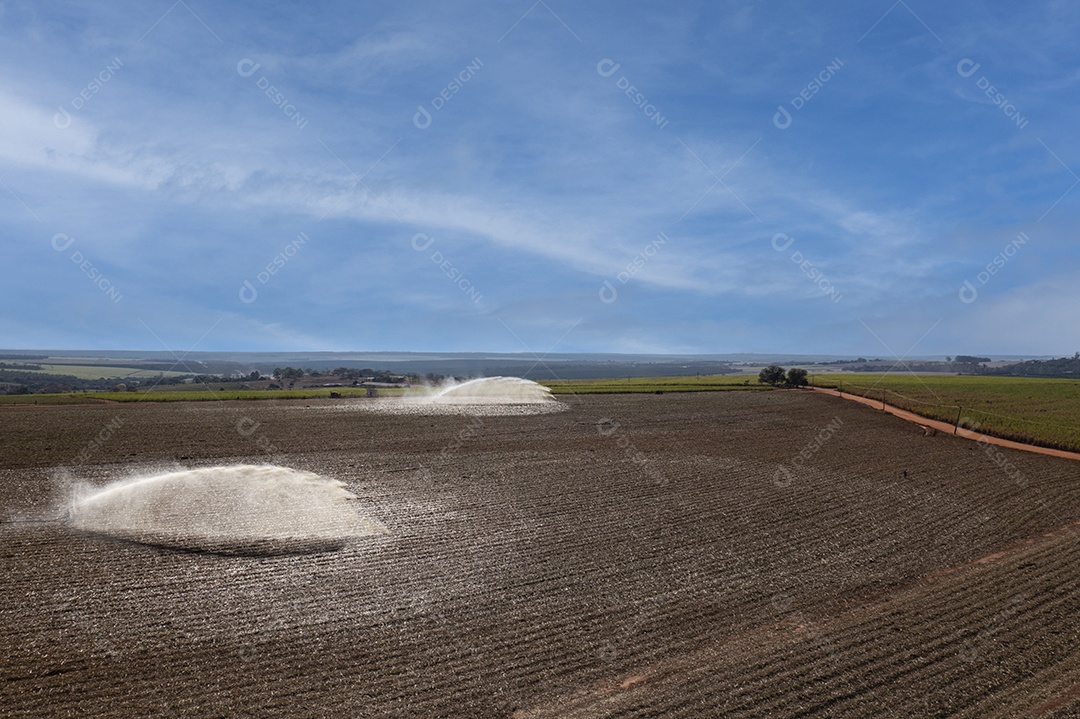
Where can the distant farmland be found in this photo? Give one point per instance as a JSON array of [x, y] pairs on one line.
[[1038, 411], [623, 385], [103, 371], [193, 393]]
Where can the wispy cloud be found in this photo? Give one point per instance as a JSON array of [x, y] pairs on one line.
[[541, 172]]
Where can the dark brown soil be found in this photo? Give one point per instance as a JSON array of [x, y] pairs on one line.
[[637, 556]]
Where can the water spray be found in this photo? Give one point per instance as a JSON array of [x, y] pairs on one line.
[[238, 510], [493, 390]]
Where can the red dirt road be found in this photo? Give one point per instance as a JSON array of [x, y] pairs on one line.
[[949, 428]]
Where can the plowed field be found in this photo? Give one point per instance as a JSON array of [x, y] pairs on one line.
[[739, 554]]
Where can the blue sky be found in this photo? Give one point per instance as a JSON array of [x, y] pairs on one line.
[[874, 178]]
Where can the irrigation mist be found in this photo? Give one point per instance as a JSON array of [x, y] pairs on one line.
[[240, 509], [483, 397], [493, 390]]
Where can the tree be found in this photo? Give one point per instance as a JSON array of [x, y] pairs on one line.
[[796, 377], [773, 375]]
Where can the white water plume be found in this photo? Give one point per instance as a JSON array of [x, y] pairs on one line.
[[241, 509], [493, 390], [484, 397]]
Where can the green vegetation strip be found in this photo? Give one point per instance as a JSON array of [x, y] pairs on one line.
[[217, 391], [1040, 411], [709, 383], [194, 395], [101, 371]]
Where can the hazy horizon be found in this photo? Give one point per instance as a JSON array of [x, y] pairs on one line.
[[399, 355]]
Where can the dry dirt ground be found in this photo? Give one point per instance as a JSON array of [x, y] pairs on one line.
[[745, 554]]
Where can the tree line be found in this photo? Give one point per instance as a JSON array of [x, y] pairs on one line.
[[777, 376]]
